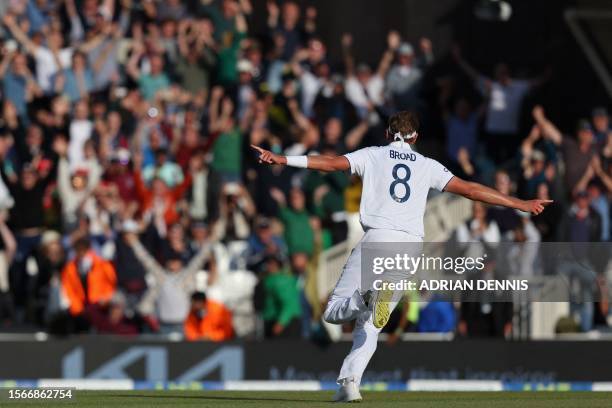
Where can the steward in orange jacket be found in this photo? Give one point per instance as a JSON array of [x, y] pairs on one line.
[[87, 279], [208, 320]]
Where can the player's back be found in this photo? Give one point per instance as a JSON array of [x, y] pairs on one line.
[[396, 182]]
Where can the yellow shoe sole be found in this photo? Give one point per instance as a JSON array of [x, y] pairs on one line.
[[380, 311]]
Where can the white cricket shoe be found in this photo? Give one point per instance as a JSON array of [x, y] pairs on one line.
[[348, 392]]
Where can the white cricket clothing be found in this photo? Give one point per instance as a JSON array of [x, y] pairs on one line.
[[346, 304], [396, 182]]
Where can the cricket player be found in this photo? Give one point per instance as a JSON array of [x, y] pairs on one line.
[[396, 181]]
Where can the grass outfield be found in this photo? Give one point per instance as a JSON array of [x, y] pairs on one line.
[[312, 399]]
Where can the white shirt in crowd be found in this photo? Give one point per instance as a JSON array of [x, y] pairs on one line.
[[505, 105], [310, 85], [80, 132], [46, 66], [356, 95], [396, 182]]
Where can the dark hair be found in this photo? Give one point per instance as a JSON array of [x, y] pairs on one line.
[[404, 122], [198, 296], [82, 243]]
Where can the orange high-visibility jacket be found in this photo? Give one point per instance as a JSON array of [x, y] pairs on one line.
[[215, 326], [101, 283]]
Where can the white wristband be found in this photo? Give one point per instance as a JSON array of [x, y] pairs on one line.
[[297, 161]]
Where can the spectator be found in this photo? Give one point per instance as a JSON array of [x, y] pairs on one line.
[[227, 147], [364, 88], [505, 97], [506, 219], [264, 243], [576, 152], [159, 200], [77, 81], [167, 297], [208, 320], [462, 140], [299, 234], [601, 125], [437, 317], [405, 80], [87, 280], [18, 84], [580, 223], [49, 60], [236, 211], [169, 172], [149, 83], [196, 56], [281, 310]]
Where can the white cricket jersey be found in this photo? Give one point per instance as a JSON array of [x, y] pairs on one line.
[[396, 181]]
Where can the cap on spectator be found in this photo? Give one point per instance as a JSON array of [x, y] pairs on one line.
[[129, 226], [538, 155], [599, 111], [584, 124], [49, 237], [405, 49], [262, 222], [245, 66]]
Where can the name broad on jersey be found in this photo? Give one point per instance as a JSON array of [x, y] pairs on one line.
[[394, 154]]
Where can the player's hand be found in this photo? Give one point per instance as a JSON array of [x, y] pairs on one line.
[[536, 207], [266, 156]]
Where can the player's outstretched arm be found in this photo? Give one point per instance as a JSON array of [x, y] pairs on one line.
[[478, 192], [321, 162]]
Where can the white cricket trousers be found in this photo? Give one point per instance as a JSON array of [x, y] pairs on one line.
[[346, 304]]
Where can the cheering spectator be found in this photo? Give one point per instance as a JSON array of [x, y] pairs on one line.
[[167, 297], [405, 80], [577, 152], [505, 96], [18, 84]]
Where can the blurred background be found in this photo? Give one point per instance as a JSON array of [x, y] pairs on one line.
[[140, 239]]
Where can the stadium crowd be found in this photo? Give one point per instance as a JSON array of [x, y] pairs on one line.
[[131, 201]]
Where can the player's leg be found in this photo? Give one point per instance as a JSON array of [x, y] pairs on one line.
[[365, 340], [346, 302]]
